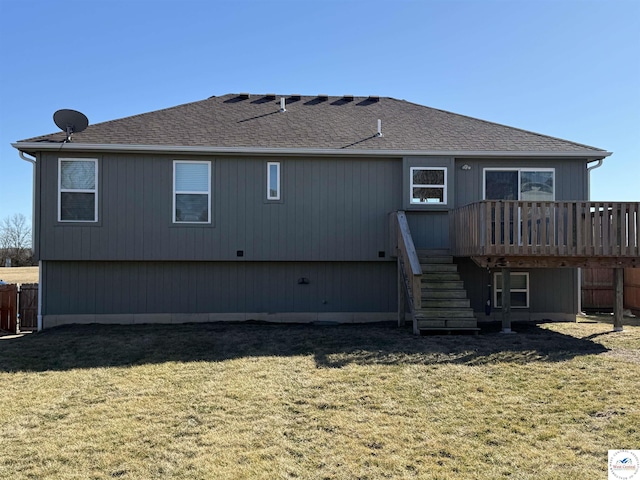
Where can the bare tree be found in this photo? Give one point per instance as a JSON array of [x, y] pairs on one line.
[[15, 240]]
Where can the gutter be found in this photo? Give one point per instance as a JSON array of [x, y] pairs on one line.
[[33, 222], [590, 155]]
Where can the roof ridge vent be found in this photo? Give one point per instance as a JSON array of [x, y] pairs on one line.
[[374, 98], [270, 96], [244, 96], [295, 96], [323, 97], [348, 98]]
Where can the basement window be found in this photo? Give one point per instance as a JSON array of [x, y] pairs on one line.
[[191, 192], [428, 186], [77, 190], [519, 289]]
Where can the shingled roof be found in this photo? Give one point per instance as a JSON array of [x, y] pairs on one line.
[[315, 123]]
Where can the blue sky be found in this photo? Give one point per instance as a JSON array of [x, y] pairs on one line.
[[569, 69]]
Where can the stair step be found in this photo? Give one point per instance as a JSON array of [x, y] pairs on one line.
[[438, 267], [439, 276], [434, 312], [449, 331], [447, 259], [444, 294], [434, 252], [447, 323], [442, 285], [445, 303]]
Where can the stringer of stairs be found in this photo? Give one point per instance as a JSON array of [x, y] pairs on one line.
[[444, 305]]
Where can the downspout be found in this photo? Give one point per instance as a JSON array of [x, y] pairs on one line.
[[33, 220], [597, 165]]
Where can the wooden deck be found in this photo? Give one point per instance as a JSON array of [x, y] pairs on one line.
[[497, 233]]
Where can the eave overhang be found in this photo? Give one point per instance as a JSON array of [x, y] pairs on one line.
[[31, 147]]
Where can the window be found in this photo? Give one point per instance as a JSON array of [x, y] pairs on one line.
[[428, 185], [273, 180], [519, 289], [77, 190], [533, 185], [191, 192]]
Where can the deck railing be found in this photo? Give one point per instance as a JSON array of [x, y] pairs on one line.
[[580, 229], [409, 269]]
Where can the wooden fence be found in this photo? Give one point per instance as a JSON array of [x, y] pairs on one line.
[[28, 306], [632, 290], [598, 292], [597, 289], [8, 308], [19, 307]]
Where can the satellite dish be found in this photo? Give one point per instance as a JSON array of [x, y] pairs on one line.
[[70, 121]]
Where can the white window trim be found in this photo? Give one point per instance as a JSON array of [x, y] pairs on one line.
[[277, 196], [185, 192], [420, 185], [78, 190], [519, 170], [513, 290]]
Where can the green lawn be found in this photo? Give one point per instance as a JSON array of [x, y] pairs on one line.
[[216, 401]]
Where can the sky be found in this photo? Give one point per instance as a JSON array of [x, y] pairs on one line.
[[568, 69]]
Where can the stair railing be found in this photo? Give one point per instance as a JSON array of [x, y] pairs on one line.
[[409, 270]]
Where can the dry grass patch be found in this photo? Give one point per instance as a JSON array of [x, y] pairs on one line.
[[291, 401], [19, 274]]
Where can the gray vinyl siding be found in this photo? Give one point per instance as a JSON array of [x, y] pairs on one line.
[[429, 230], [331, 224], [550, 289], [570, 177], [206, 287], [332, 209]]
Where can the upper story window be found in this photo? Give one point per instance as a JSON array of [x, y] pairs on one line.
[[191, 192], [428, 185], [527, 184], [77, 190], [273, 180]]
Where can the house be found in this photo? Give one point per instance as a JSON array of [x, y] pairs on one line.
[[316, 208]]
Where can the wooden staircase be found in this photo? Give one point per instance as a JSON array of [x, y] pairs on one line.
[[444, 304], [429, 283]]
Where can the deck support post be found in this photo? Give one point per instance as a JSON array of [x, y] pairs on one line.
[[618, 306], [506, 301], [401, 295]]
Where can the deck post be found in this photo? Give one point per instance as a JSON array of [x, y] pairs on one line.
[[401, 295], [506, 301], [618, 285]]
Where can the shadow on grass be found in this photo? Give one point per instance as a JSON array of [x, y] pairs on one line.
[[95, 346]]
